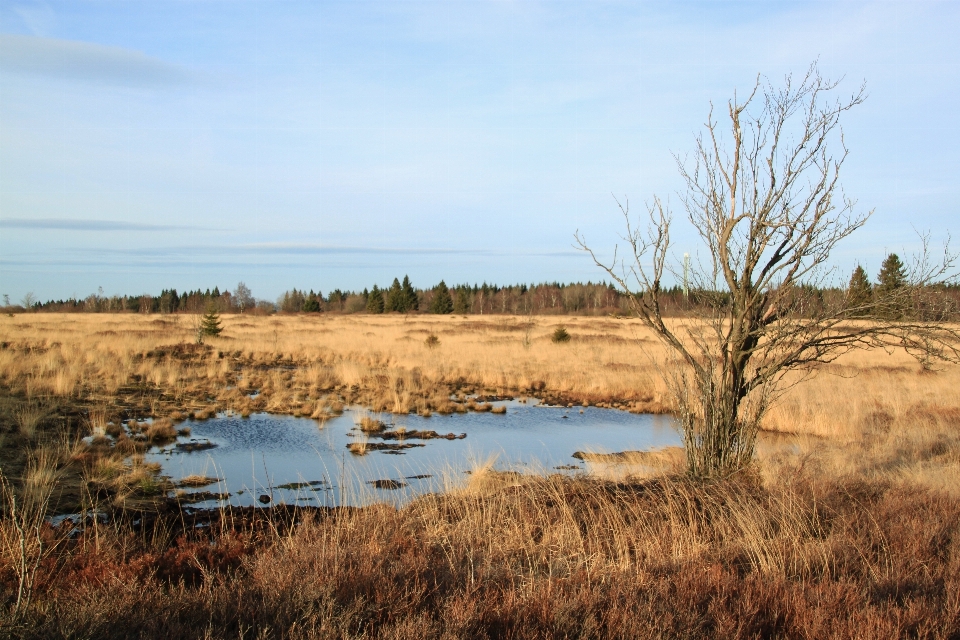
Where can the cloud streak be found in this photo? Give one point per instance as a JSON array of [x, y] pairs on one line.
[[293, 248], [85, 61], [67, 224], [259, 254]]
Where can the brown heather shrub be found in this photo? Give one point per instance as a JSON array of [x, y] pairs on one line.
[[532, 558]]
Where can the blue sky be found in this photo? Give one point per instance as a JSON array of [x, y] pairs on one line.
[[146, 145]]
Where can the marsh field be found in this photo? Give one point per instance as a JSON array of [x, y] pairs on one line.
[[847, 525]]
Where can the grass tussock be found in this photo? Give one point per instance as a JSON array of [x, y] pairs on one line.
[[29, 415], [197, 480]]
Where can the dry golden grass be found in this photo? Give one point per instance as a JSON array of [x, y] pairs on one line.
[[871, 412]]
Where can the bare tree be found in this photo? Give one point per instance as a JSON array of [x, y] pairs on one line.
[[766, 202], [243, 297]]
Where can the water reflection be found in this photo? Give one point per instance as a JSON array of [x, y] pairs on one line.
[[266, 458]]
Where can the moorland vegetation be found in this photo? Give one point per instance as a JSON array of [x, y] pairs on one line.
[[844, 526]]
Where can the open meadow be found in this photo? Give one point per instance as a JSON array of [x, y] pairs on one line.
[[846, 525]]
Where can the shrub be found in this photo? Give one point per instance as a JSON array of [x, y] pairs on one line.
[[560, 335]]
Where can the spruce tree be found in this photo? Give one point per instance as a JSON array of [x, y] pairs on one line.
[[892, 275], [410, 295], [311, 303], [859, 293], [336, 299], [394, 299], [442, 303], [462, 304], [209, 324], [375, 302], [891, 288]]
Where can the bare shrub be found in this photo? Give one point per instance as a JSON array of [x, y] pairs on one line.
[[24, 546]]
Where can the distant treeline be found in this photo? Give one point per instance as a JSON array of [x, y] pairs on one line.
[[400, 297], [938, 302]]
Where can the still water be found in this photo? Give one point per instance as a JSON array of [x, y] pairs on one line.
[[299, 460]]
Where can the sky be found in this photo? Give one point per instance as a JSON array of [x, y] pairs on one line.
[[320, 145]]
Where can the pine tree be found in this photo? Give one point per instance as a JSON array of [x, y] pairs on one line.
[[410, 295], [375, 302], [442, 303], [859, 293], [394, 299]]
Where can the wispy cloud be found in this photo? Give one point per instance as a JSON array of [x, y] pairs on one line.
[[265, 254], [86, 61], [294, 248], [318, 249], [67, 224]]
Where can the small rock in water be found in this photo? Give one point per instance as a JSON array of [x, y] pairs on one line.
[[264, 498]]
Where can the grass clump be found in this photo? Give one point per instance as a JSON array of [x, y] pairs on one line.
[[359, 447], [29, 416], [368, 424], [159, 431], [197, 480]]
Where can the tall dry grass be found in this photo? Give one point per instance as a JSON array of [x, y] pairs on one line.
[[534, 557]]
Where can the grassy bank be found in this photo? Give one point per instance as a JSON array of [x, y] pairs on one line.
[[846, 526], [531, 558]]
